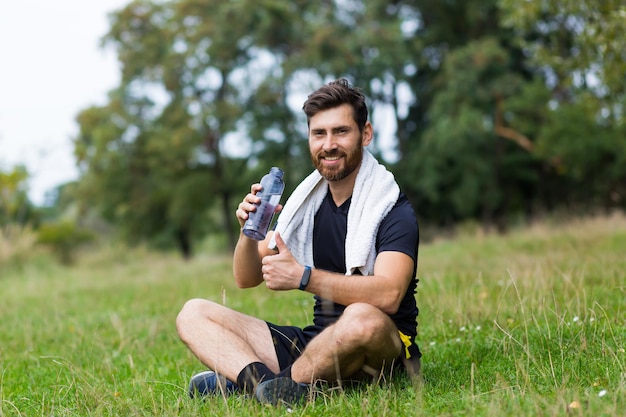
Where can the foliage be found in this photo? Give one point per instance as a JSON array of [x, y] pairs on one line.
[[578, 41], [575, 46], [489, 110], [15, 207], [529, 323], [64, 238], [177, 115], [17, 245]]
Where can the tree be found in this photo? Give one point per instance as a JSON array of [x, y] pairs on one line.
[[15, 206], [173, 144], [576, 46], [492, 105], [459, 158]]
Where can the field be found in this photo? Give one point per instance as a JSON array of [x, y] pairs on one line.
[[528, 323]]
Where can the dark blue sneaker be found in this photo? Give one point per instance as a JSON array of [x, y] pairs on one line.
[[209, 383], [281, 390]]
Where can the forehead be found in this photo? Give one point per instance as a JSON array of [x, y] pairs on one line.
[[337, 116]]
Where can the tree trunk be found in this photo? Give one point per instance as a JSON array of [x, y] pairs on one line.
[[184, 243], [228, 220]]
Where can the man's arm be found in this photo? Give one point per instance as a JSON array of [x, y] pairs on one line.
[[249, 252], [247, 260], [385, 289]]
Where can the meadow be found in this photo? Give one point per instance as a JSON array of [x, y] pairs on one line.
[[529, 323]]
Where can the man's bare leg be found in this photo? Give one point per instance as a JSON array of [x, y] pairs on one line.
[[364, 339], [225, 340]]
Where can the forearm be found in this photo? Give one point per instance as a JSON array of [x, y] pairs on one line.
[[385, 289], [378, 291], [247, 263]]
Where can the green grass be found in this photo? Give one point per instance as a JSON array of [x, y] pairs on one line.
[[531, 323]]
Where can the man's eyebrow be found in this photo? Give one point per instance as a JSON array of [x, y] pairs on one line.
[[333, 129]]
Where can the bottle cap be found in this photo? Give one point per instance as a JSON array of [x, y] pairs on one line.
[[277, 171]]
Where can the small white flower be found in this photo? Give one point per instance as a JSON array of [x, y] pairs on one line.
[[591, 320], [463, 329], [575, 319], [478, 328], [602, 393], [433, 343], [458, 339]]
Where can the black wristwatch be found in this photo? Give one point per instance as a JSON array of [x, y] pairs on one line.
[[306, 276]]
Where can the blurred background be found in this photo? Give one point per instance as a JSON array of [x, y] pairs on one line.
[[491, 113]]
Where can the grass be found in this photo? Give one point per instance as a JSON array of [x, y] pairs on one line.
[[531, 323]]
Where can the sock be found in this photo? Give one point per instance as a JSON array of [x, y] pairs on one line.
[[252, 375], [286, 372]]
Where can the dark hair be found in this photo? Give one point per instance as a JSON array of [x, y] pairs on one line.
[[334, 94]]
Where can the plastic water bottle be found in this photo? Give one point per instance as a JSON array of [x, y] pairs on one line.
[[258, 222]]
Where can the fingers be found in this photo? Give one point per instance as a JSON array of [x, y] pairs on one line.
[[280, 243], [249, 204]]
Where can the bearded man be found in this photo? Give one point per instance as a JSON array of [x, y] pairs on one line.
[[348, 236]]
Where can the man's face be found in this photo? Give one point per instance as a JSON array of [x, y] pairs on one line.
[[335, 142]]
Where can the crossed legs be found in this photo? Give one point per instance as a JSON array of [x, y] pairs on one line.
[[363, 340]]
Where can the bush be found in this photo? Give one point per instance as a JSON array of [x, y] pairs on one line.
[[64, 238], [16, 244]]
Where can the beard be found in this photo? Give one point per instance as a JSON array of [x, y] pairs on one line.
[[351, 160]]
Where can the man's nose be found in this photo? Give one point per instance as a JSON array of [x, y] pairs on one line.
[[330, 143]]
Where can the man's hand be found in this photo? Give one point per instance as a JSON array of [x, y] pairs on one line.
[[250, 203], [281, 271]]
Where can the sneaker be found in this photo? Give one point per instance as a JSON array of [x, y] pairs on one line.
[[209, 383], [281, 390]]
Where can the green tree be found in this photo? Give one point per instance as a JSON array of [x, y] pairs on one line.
[[576, 47], [15, 206], [165, 155], [460, 158], [497, 106]]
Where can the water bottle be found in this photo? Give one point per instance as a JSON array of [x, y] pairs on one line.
[[258, 222]]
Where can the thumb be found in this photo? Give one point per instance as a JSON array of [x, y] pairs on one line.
[[280, 243]]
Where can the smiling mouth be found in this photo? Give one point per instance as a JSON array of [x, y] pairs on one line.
[[331, 158]]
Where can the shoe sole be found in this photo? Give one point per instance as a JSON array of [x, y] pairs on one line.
[[281, 391]]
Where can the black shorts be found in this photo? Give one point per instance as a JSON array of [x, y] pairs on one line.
[[290, 341]]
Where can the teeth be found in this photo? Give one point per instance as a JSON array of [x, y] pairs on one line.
[[332, 158]]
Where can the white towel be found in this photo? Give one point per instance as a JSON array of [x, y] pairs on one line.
[[374, 195]]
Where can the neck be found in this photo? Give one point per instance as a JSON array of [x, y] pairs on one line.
[[342, 190]]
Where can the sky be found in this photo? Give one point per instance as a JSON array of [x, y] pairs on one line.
[[51, 67]]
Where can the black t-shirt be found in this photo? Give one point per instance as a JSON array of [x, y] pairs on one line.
[[398, 232]]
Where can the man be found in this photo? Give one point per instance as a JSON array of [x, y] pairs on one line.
[[346, 235]]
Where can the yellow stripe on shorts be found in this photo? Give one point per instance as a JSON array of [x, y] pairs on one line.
[[407, 342]]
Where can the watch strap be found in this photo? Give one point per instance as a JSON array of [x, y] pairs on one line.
[[306, 276]]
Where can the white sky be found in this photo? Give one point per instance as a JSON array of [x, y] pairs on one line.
[[51, 67]]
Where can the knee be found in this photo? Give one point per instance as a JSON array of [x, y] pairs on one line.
[[365, 322], [188, 317]]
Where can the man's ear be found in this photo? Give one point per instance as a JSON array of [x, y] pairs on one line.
[[368, 133]]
